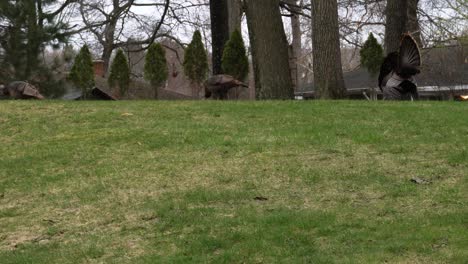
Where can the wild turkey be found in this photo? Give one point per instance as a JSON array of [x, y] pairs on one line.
[[396, 78], [217, 86], [22, 90]]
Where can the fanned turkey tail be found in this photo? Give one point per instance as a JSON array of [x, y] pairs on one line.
[[409, 57]]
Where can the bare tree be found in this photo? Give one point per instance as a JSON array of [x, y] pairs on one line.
[[108, 21]]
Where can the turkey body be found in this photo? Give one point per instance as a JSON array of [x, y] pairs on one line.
[[218, 86], [396, 78], [22, 90]]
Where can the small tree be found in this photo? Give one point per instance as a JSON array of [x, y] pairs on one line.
[[371, 55], [372, 58], [156, 66], [120, 73], [235, 61], [196, 62], [82, 73]]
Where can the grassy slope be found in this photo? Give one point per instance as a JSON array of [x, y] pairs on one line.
[[176, 181]]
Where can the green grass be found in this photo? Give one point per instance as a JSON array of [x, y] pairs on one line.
[[175, 182]]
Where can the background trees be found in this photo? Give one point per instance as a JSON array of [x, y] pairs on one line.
[[120, 73], [27, 26], [30, 30], [196, 63], [156, 67], [82, 74], [371, 55], [113, 23], [235, 61]]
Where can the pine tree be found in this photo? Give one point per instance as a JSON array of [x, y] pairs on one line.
[[120, 73], [196, 62], [82, 73], [27, 27], [371, 55], [156, 66], [235, 61]]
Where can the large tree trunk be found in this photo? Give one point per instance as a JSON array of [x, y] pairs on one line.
[[296, 42], [269, 50], [106, 56], [219, 32], [413, 22], [396, 23], [328, 73], [235, 15], [108, 44]]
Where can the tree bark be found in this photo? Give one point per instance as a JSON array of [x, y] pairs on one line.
[[106, 56], [396, 23], [235, 15], [219, 32], [269, 50], [296, 42], [328, 73], [413, 22]]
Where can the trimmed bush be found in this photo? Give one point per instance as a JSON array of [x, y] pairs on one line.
[[371, 55], [235, 61], [156, 67], [120, 73], [82, 73], [195, 60]]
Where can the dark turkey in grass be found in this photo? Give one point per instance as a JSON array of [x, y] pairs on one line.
[[396, 78]]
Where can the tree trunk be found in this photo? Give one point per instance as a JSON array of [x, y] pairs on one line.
[[396, 23], [106, 56], [413, 22], [328, 73], [108, 43], [296, 42], [235, 15], [219, 32], [33, 30], [269, 50]]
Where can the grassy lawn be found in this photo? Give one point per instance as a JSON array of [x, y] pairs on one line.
[[233, 182]]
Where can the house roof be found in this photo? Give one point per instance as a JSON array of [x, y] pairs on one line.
[[97, 93]]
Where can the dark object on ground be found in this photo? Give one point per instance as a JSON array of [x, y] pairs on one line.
[[96, 94], [419, 181], [102, 95], [396, 78], [217, 86], [260, 198], [22, 90]]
